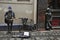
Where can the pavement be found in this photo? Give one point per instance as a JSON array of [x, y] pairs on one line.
[[34, 35]]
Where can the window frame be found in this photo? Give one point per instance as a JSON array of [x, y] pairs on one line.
[[15, 1]]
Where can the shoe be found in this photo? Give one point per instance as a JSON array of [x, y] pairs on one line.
[[51, 30], [8, 33]]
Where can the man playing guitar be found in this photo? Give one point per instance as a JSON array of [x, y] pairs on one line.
[[9, 16]]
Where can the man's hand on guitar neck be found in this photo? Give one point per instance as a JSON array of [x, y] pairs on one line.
[[14, 19]]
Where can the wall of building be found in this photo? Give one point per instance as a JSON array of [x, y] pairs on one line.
[[21, 10]]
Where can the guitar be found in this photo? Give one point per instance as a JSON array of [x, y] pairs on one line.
[[10, 20]]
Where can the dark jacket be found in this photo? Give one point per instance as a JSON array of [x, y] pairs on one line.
[[8, 15]]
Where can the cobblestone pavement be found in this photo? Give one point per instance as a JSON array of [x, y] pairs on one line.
[[35, 35]]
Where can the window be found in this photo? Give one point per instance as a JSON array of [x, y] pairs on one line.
[[55, 4], [23, 0], [16, 1]]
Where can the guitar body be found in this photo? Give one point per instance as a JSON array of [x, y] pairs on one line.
[[8, 21]]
